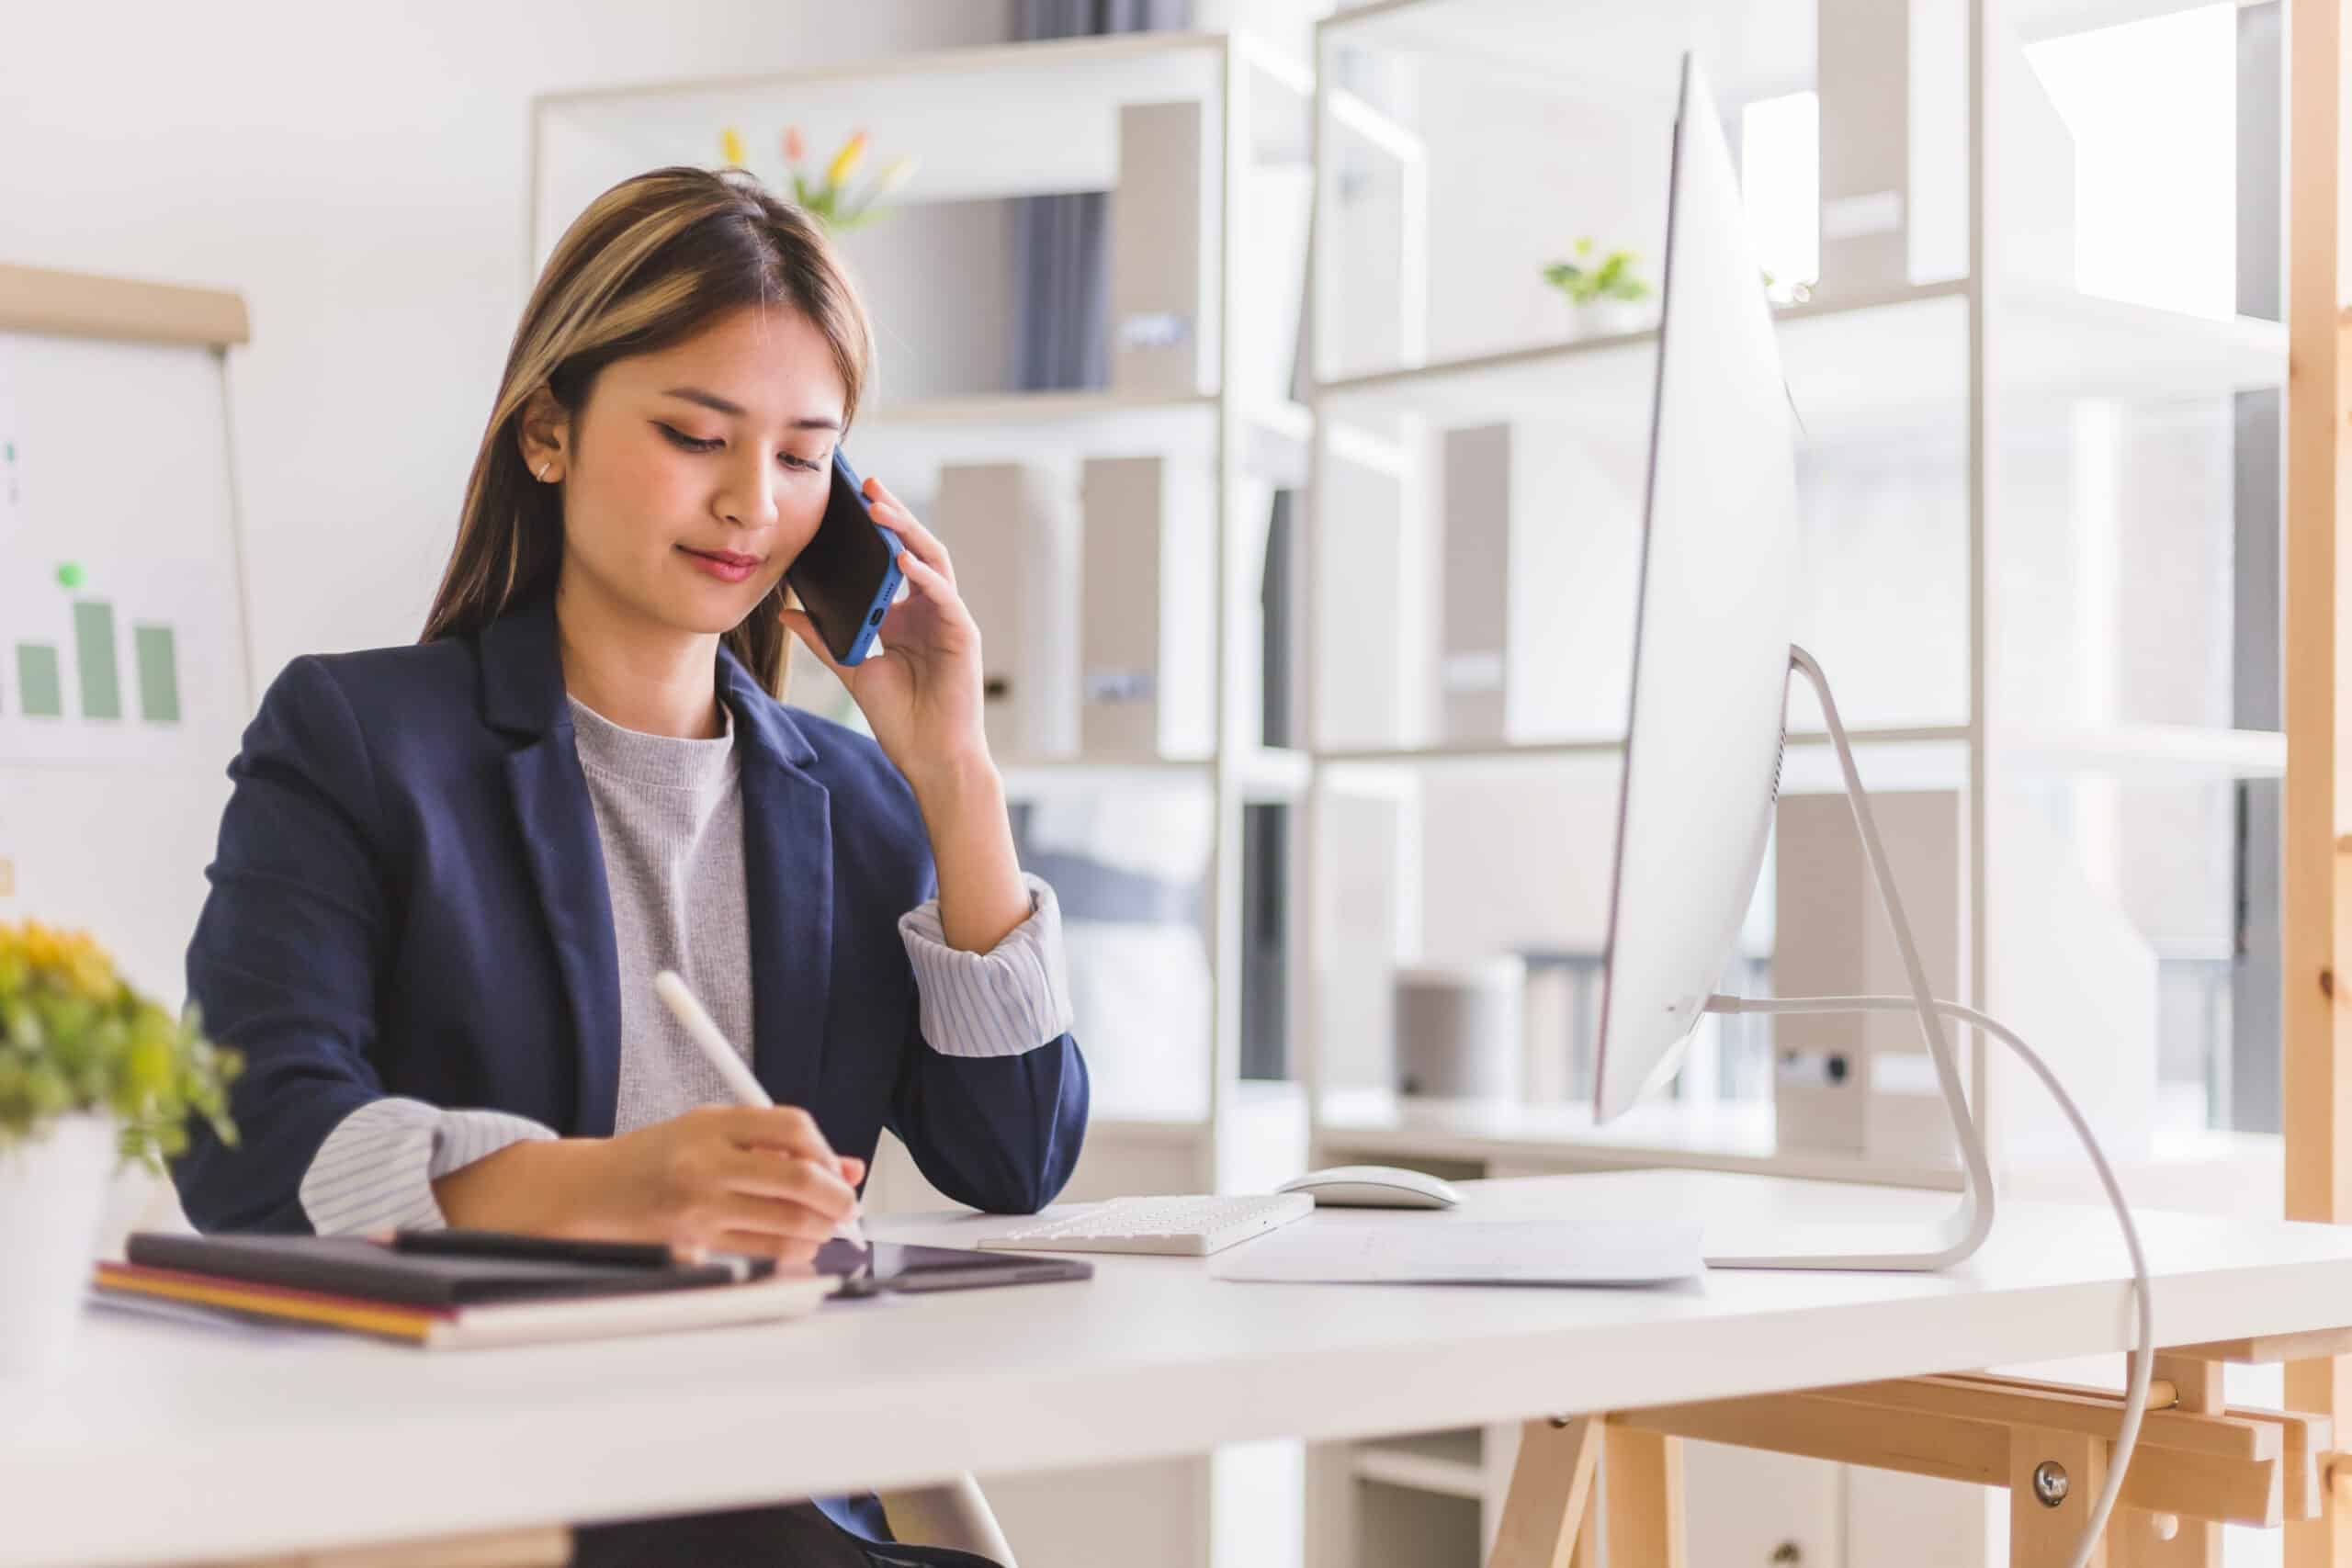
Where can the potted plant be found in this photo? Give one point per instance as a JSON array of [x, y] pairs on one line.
[[826, 196], [92, 1075], [1797, 291], [1607, 293]]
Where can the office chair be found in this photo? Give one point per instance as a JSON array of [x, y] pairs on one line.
[[953, 1514]]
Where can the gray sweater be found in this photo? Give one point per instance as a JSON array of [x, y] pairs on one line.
[[670, 820]]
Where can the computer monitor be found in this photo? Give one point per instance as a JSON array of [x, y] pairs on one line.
[[1716, 616], [1711, 658], [1715, 620], [1713, 652]]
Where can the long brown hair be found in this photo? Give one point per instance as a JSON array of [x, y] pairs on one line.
[[650, 262]]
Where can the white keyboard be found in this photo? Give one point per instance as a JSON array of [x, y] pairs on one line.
[[1186, 1226]]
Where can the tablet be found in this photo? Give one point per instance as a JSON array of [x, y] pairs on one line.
[[899, 1266]]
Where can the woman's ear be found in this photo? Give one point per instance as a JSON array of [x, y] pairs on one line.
[[543, 434]]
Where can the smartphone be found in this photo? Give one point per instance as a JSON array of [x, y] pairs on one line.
[[889, 1266], [848, 575]]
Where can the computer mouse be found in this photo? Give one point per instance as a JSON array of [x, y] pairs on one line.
[[1373, 1187]]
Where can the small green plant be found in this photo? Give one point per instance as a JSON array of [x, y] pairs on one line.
[[74, 1036], [1586, 281]]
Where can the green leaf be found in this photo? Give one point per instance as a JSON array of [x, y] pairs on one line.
[[74, 1037]]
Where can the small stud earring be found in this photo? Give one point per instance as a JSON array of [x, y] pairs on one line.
[[543, 473]]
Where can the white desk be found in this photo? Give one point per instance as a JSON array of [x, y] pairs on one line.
[[171, 1444]]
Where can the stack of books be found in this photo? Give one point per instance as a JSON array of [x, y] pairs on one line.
[[454, 1290]]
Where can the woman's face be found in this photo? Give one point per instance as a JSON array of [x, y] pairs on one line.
[[697, 473]]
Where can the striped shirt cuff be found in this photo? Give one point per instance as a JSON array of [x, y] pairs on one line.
[[376, 1169], [1011, 999]]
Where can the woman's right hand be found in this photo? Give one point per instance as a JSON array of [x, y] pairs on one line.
[[721, 1178]]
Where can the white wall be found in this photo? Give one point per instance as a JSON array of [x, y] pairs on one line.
[[359, 174]]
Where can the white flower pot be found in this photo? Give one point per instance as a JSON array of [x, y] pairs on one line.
[[1610, 317], [136, 1200], [51, 1188]]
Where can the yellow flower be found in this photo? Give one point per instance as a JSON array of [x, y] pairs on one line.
[[846, 159], [69, 960], [894, 174], [730, 146]]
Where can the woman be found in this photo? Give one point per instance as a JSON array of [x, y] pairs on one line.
[[449, 874]]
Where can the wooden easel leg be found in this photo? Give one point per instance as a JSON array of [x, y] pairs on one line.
[[2054, 1477], [1549, 1488], [1641, 1477], [546, 1546]]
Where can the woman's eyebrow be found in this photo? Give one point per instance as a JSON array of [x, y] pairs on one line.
[[714, 401]]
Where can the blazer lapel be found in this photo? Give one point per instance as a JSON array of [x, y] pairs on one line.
[[788, 889], [523, 694], [558, 828]]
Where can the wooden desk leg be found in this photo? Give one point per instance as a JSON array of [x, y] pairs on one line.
[[2137, 1539], [1549, 1487], [2043, 1534], [1588, 1549], [1641, 1477], [547, 1546]]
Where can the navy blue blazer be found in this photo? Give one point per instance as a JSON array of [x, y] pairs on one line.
[[408, 898]]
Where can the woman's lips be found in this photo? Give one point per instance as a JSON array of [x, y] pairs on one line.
[[724, 565]]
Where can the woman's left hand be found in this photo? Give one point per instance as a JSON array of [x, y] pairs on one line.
[[920, 690]]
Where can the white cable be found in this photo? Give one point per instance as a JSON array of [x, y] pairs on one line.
[[2136, 1398]]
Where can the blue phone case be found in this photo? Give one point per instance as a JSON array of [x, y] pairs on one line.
[[871, 623]]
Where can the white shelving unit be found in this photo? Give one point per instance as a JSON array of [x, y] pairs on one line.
[[986, 125], [1429, 111], [1475, 137], [1855, 367], [1433, 1500]]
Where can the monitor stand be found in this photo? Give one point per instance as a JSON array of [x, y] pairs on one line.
[[1891, 1246]]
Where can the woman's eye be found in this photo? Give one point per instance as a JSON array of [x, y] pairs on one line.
[[680, 438]]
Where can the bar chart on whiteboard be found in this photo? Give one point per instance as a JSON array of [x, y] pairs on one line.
[[112, 645]]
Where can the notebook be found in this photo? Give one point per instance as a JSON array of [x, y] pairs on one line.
[[444, 1303], [356, 1265]]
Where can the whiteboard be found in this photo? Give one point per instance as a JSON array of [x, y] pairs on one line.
[[124, 660]]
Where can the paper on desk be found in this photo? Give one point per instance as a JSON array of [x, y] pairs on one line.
[[211, 1318], [1439, 1249]]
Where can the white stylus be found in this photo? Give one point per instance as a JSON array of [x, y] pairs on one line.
[[727, 1062]]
